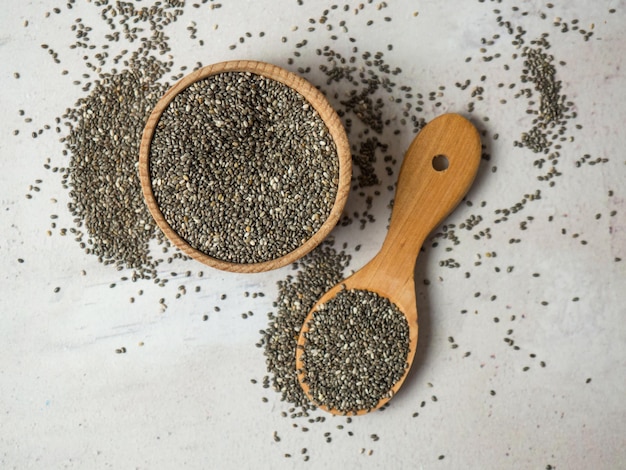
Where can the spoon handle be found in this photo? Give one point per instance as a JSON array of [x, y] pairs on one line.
[[425, 193]]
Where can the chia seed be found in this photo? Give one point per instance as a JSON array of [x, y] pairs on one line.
[[243, 168], [356, 349], [105, 130], [319, 271]]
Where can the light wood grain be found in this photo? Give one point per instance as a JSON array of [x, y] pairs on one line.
[[319, 103], [424, 197]]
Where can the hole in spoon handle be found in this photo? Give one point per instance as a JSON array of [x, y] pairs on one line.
[[440, 162]]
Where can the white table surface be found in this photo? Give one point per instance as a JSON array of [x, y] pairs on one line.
[[181, 395]]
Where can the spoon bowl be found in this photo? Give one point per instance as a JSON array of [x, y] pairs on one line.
[[437, 171]]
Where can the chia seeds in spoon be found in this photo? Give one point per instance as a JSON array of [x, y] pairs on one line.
[[356, 349]]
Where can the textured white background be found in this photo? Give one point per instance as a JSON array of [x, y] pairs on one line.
[[184, 399]]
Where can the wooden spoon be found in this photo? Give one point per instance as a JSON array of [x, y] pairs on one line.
[[436, 173]]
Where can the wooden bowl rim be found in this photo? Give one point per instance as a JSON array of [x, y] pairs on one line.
[[314, 97]]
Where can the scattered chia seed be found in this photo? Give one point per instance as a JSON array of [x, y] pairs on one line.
[[318, 271], [103, 143]]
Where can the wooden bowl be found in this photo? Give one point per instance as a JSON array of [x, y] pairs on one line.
[[314, 97]]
